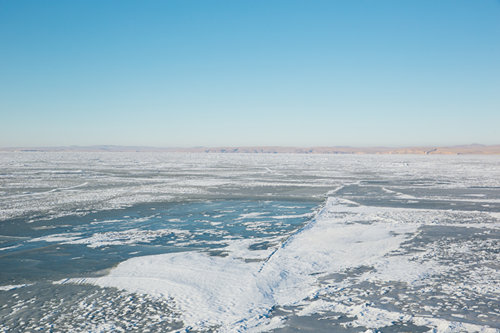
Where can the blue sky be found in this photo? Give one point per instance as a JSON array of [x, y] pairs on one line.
[[211, 73]]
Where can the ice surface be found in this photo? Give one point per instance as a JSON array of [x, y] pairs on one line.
[[47, 185], [399, 240], [368, 316], [232, 294]]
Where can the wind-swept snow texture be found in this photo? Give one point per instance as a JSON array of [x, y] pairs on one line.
[[249, 243], [232, 295]]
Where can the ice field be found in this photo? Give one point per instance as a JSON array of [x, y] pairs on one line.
[[99, 242]]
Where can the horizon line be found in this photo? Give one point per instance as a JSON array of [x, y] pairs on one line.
[[246, 146], [474, 148]]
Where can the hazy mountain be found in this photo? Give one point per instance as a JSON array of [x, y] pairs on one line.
[[422, 150]]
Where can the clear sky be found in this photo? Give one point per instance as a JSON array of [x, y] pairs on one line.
[[211, 73]]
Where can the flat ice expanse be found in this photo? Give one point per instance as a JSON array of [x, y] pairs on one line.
[[180, 242]]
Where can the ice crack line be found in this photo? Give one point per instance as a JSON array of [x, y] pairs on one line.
[[308, 225]]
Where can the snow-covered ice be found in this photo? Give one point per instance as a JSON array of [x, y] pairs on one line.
[[249, 242]]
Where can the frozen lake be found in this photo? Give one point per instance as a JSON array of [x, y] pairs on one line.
[[249, 242]]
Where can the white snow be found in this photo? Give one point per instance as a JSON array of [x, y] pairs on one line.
[[60, 184], [125, 237], [234, 294], [131, 236], [14, 286], [58, 238]]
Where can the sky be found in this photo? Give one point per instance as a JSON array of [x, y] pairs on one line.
[[243, 73]]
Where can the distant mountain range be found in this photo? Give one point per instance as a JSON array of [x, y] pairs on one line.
[[420, 150]]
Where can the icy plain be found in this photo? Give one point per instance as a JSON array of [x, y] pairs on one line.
[[249, 242]]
